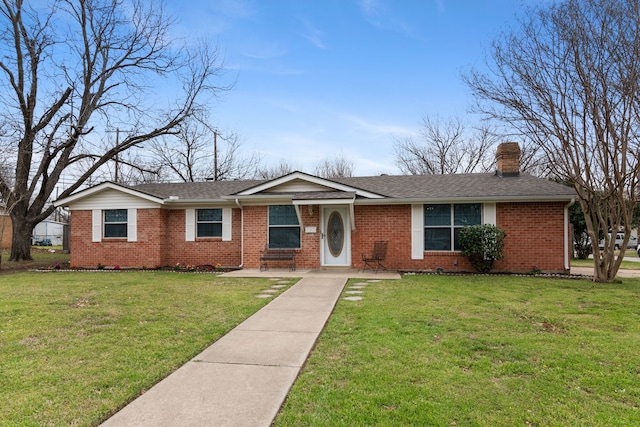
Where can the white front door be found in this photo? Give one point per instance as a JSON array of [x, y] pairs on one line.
[[335, 236]]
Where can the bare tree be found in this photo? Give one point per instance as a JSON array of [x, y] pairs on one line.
[[73, 70], [200, 151], [445, 147], [568, 78], [130, 167], [275, 171], [337, 167], [532, 160]]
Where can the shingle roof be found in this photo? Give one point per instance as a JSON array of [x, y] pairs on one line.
[[428, 187], [208, 190], [482, 185]]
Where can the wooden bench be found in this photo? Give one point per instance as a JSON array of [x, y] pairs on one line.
[[374, 261], [277, 255]]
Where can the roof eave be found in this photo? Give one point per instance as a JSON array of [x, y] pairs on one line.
[[66, 201], [484, 199], [174, 202], [262, 198]]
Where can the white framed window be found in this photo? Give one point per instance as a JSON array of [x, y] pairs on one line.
[[209, 222], [115, 223]]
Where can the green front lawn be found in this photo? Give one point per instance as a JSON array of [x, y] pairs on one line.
[[424, 350], [480, 351], [75, 347]]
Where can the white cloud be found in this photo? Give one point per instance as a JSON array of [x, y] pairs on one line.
[[234, 8], [378, 128], [371, 7], [313, 34], [379, 14]]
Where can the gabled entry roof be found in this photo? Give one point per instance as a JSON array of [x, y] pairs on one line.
[[299, 183]]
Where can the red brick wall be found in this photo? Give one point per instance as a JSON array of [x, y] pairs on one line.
[[161, 242], [534, 236], [147, 251], [534, 239], [212, 251], [256, 225], [375, 222]]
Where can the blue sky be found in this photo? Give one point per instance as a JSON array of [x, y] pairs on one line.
[[316, 79]]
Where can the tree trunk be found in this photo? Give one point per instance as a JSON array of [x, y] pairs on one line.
[[21, 239]]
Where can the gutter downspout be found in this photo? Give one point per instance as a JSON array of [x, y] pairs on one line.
[[241, 234], [567, 265]]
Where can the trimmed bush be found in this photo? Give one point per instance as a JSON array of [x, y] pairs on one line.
[[482, 244]]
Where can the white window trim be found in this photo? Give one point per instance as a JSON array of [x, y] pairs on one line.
[[489, 213], [97, 225], [227, 222], [190, 224], [132, 225], [417, 231]]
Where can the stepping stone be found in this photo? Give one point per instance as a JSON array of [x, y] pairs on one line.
[[278, 286], [361, 283], [275, 278], [270, 291], [357, 286], [373, 281], [284, 282], [264, 296], [353, 298], [354, 292]]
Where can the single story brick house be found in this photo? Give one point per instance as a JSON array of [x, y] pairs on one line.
[[329, 223]]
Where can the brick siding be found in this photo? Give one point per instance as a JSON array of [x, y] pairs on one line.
[[534, 239], [110, 252], [161, 242], [256, 229]]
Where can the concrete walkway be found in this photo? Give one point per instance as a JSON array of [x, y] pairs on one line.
[[244, 377]]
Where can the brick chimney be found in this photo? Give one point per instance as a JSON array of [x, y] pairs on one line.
[[508, 159]]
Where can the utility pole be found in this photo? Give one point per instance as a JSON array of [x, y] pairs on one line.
[[116, 159], [215, 155]]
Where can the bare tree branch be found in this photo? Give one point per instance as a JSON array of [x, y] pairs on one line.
[[568, 78], [200, 151], [337, 167], [76, 70], [446, 147]]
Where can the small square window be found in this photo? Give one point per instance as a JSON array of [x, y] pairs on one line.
[[209, 223], [115, 223]]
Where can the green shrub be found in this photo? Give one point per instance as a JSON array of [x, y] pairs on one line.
[[482, 244]]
